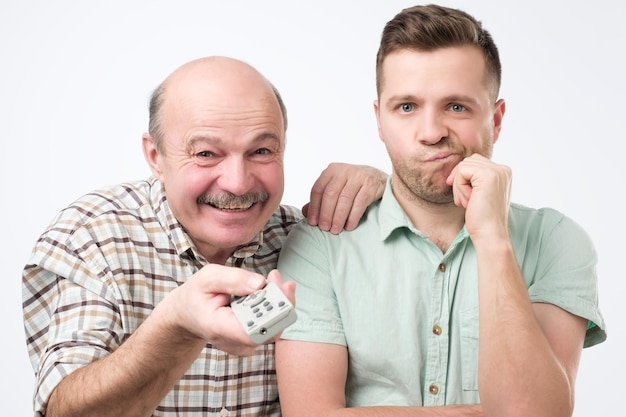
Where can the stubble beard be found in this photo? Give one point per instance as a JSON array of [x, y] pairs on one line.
[[427, 187], [422, 188]]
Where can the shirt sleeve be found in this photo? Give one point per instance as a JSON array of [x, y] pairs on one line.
[[304, 259], [566, 273], [71, 315]]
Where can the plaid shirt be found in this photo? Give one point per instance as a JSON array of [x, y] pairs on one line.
[[98, 271]]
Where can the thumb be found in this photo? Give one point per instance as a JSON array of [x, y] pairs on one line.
[[255, 282], [289, 287], [220, 279]]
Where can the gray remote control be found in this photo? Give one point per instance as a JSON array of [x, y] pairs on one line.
[[264, 313]]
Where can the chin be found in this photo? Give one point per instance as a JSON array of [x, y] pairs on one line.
[[223, 237], [241, 230]]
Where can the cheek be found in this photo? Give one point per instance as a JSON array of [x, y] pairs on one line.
[[397, 140], [485, 138], [186, 183], [397, 131], [470, 134], [273, 178]]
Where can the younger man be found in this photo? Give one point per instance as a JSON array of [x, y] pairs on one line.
[[447, 300]]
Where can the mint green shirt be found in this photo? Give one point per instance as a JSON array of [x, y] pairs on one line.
[[408, 313]]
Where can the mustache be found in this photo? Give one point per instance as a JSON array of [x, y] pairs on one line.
[[229, 199]]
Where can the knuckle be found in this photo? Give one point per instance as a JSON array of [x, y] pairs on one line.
[[332, 191]]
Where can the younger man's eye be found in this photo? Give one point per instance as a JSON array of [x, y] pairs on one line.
[[457, 108]]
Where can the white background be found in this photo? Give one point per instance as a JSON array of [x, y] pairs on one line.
[[75, 77]]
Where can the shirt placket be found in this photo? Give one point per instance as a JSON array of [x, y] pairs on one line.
[[438, 340]]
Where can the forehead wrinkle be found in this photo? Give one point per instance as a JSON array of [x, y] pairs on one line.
[[225, 114], [203, 138], [217, 140]]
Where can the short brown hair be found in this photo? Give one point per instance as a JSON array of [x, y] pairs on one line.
[[431, 27]]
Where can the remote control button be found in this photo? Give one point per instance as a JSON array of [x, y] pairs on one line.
[[257, 302], [255, 298]]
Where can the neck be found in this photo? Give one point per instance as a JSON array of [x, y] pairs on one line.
[[216, 256], [441, 222]]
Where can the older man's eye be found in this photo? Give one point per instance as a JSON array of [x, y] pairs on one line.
[[204, 154]]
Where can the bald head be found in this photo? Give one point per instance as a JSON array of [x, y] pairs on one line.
[[217, 79]]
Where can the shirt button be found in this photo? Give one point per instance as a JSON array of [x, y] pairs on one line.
[[442, 267], [437, 329], [433, 389]]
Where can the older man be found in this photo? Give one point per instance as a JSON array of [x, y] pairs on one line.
[[126, 295]]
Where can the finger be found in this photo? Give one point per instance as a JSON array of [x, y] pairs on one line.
[[450, 179], [229, 334], [220, 279], [322, 200], [358, 193], [354, 215], [461, 187], [305, 213], [462, 195], [341, 195], [349, 210], [275, 276], [289, 287], [349, 206], [328, 202], [371, 190]]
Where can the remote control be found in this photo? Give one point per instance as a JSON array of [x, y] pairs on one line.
[[264, 313]]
